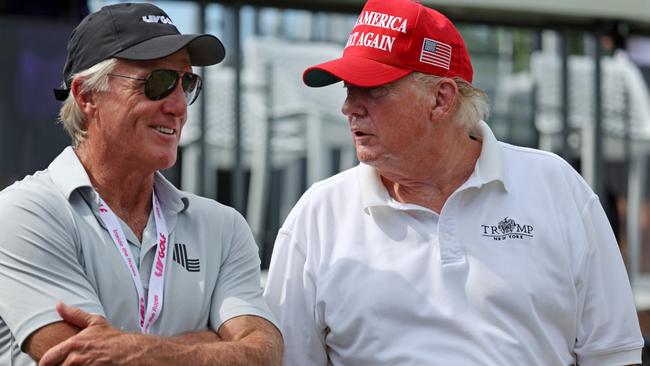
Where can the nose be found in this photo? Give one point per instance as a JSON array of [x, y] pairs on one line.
[[354, 103], [175, 103]]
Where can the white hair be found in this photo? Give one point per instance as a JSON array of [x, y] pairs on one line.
[[94, 78], [473, 105]]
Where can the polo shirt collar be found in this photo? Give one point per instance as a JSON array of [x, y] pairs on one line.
[[488, 168], [68, 174], [373, 192], [173, 199]]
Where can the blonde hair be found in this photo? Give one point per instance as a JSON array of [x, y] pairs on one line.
[[473, 105], [95, 78]]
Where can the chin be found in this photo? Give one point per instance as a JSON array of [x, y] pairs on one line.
[[168, 164], [377, 161], [366, 157], [165, 161]]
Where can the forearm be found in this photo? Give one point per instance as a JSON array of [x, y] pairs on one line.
[[198, 337], [244, 340], [255, 349], [47, 337]]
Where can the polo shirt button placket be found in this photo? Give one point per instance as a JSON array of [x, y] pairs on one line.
[[449, 251]]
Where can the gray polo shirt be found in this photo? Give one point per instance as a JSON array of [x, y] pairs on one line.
[[53, 247]]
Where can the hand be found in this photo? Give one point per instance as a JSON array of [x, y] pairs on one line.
[[98, 343]]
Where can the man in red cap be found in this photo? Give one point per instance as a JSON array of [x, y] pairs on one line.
[[102, 260], [443, 246]]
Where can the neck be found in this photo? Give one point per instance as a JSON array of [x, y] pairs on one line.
[[429, 181], [127, 190]]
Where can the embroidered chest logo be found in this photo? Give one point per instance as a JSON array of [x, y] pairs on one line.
[[507, 229], [180, 257]]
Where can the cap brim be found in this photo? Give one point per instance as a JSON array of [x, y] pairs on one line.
[[354, 70], [204, 49]]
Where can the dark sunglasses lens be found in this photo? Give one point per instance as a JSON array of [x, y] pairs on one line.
[[191, 86], [160, 84]]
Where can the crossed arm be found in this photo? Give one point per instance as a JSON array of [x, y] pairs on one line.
[[86, 339]]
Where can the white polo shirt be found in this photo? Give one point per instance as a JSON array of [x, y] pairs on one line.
[[520, 268], [53, 246]]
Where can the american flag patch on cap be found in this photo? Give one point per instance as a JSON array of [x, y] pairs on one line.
[[436, 53]]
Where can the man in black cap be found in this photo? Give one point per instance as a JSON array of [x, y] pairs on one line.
[[102, 260]]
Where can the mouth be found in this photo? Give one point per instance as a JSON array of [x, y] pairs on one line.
[[165, 130]]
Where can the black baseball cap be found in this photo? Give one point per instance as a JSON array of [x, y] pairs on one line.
[[132, 31]]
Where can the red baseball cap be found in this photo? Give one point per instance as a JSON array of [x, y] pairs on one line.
[[391, 39]]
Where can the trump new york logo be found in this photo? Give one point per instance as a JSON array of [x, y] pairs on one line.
[[507, 229]]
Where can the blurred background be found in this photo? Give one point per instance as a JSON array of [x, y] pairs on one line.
[[568, 76]]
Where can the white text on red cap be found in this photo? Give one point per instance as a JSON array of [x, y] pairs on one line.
[[370, 39]]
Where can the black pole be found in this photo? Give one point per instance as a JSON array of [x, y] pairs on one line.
[[202, 115], [238, 173]]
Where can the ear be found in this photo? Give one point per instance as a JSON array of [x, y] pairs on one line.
[[85, 101], [445, 94]]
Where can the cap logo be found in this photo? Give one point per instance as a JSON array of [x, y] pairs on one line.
[[436, 53], [157, 19], [379, 41]]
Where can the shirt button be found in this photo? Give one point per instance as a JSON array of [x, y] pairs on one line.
[[446, 236]]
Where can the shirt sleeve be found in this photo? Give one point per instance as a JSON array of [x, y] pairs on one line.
[[608, 328], [39, 262], [290, 292], [238, 291]]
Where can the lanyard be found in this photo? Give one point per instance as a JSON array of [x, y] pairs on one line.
[[157, 279]]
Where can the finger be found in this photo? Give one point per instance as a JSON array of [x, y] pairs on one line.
[[77, 359], [75, 316]]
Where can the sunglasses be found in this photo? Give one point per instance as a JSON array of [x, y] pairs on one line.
[[160, 83]]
